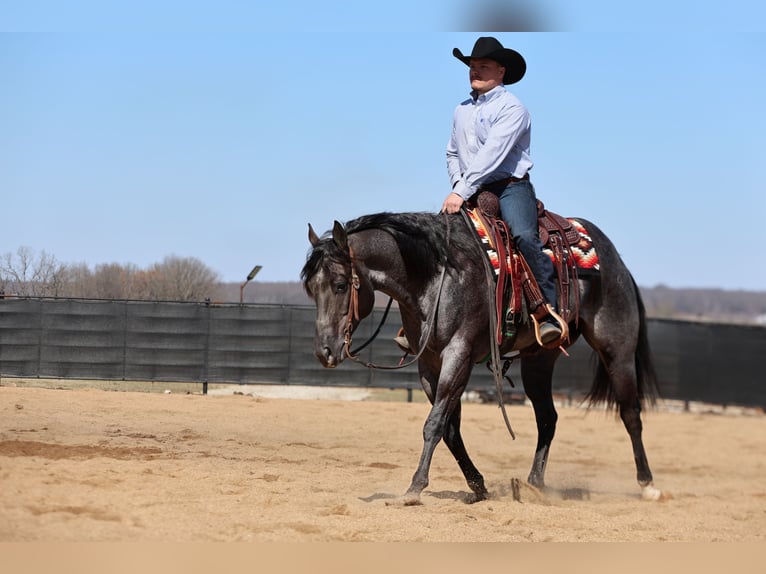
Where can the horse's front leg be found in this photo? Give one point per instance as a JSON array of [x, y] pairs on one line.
[[454, 442], [452, 382], [452, 436]]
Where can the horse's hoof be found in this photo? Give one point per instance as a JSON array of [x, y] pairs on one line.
[[411, 500], [475, 497], [649, 492], [406, 500]]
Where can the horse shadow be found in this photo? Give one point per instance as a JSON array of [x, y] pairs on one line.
[[517, 489]]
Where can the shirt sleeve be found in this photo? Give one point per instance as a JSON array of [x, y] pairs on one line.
[[453, 163]]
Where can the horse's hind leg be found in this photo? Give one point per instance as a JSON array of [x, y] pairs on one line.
[[630, 413], [623, 376], [537, 374], [619, 369]]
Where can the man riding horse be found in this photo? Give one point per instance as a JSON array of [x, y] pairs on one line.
[[436, 269]]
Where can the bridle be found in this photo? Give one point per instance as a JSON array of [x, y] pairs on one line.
[[353, 305]]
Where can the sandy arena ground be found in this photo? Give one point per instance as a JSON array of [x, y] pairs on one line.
[[94, 465]]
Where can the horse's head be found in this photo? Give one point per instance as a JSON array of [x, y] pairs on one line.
[[341, 290]]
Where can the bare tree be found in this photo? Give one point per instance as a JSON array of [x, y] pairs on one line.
[[114, 281], [178, 279], [26, 273], [77, 280]]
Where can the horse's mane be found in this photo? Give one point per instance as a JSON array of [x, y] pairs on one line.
[[421, 238]]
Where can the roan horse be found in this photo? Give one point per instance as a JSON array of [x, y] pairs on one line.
[[432, 265]]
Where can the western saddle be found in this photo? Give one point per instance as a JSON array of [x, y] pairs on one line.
[[517, 294]]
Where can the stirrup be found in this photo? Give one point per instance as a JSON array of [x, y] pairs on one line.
[[561, 323]]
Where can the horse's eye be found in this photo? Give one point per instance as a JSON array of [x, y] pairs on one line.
[[341, 287]]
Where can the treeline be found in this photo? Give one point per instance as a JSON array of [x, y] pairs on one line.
[[29, 274], [26, 273], [716, 305]]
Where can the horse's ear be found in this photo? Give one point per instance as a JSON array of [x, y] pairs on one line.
[[339, 236], [313, 237]]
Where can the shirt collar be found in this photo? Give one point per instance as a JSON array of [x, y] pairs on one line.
[[489, 95]]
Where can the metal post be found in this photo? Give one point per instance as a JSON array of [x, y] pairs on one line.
[[250, 277]]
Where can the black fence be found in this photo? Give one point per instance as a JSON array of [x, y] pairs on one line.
[[268, 344]]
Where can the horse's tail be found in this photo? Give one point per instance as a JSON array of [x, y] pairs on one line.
[[646, 376], [602, 390]]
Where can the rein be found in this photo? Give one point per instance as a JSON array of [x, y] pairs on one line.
[[377, 331], [493, 344], [353, 314]]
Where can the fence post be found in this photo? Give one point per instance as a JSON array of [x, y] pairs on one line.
[[125, 316], [206, 364], [40, 334], [371, 372], [290, 344]]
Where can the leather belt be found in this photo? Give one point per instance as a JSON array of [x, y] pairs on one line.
[[503, 183]]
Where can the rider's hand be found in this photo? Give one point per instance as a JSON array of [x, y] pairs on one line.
[[453, 203]]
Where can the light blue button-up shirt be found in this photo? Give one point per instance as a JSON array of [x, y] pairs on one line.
[[490, 141]]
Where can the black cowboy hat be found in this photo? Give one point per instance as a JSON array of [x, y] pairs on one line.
[[489, 47]]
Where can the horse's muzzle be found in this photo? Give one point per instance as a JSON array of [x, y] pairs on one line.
[[329, 355], [327, 358]]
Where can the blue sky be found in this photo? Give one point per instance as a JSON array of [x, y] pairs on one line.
[[126, 138]]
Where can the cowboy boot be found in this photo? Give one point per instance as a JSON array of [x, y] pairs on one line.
[[549, 331], [550, 328]]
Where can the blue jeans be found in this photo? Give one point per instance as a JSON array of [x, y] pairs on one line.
[[518, 207]]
